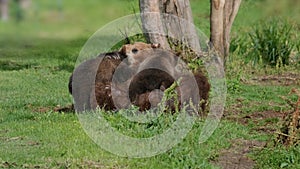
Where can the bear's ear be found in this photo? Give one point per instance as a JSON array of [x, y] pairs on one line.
[[155, 45], [122, 50]]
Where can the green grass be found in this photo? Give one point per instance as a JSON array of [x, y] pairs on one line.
[[38, 55], [278, 157]]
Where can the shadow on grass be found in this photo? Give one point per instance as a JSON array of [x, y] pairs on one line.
[[65, 67], [10, 65], [15, 66]]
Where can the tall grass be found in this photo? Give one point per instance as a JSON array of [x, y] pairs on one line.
[[271, 43]]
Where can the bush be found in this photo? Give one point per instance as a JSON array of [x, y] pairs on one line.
[[239, 45], [271, 43]]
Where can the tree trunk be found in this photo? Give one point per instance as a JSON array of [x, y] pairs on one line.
[[4, 9], [151, 21], [179, 22], [171, 29], [223, 13], [173, 20], [25, 4]]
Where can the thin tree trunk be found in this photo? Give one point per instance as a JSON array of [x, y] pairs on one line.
[[216, 25], [231, 10], [4, 9], [223, 13]]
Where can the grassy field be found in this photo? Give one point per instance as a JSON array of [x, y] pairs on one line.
[[38, 54]]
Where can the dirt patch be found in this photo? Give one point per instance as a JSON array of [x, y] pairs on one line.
[[256, 117], [282, 80], [4, 131], [11, 65], [91, 164], [264, 121], [58, 108], [66, 109], [42, 109], [236, 156], [80, 164], [8, 165]]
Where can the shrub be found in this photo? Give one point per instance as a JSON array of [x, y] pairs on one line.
[[271, 43], [239, 44]]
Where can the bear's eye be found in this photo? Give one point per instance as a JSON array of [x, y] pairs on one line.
[[134, 50]]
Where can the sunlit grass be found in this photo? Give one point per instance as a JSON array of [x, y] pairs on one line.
[[38, 55]]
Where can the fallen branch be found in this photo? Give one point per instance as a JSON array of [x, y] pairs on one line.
[[286, 135]]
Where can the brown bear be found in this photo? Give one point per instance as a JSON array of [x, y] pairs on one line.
[[91, 83], [153, 68], [159, 71]]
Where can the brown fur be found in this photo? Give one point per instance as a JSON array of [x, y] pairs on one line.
[[148, 100], [189, 85], [185, 91], [90, 80], [90, 83], [136, 52], [204, 88], [158, 71]]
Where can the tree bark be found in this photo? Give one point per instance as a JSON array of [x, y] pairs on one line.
[[151, 22], [25, 4], [223, 13], [4, 9], [179, 22], [159, 29], [173, 20]]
